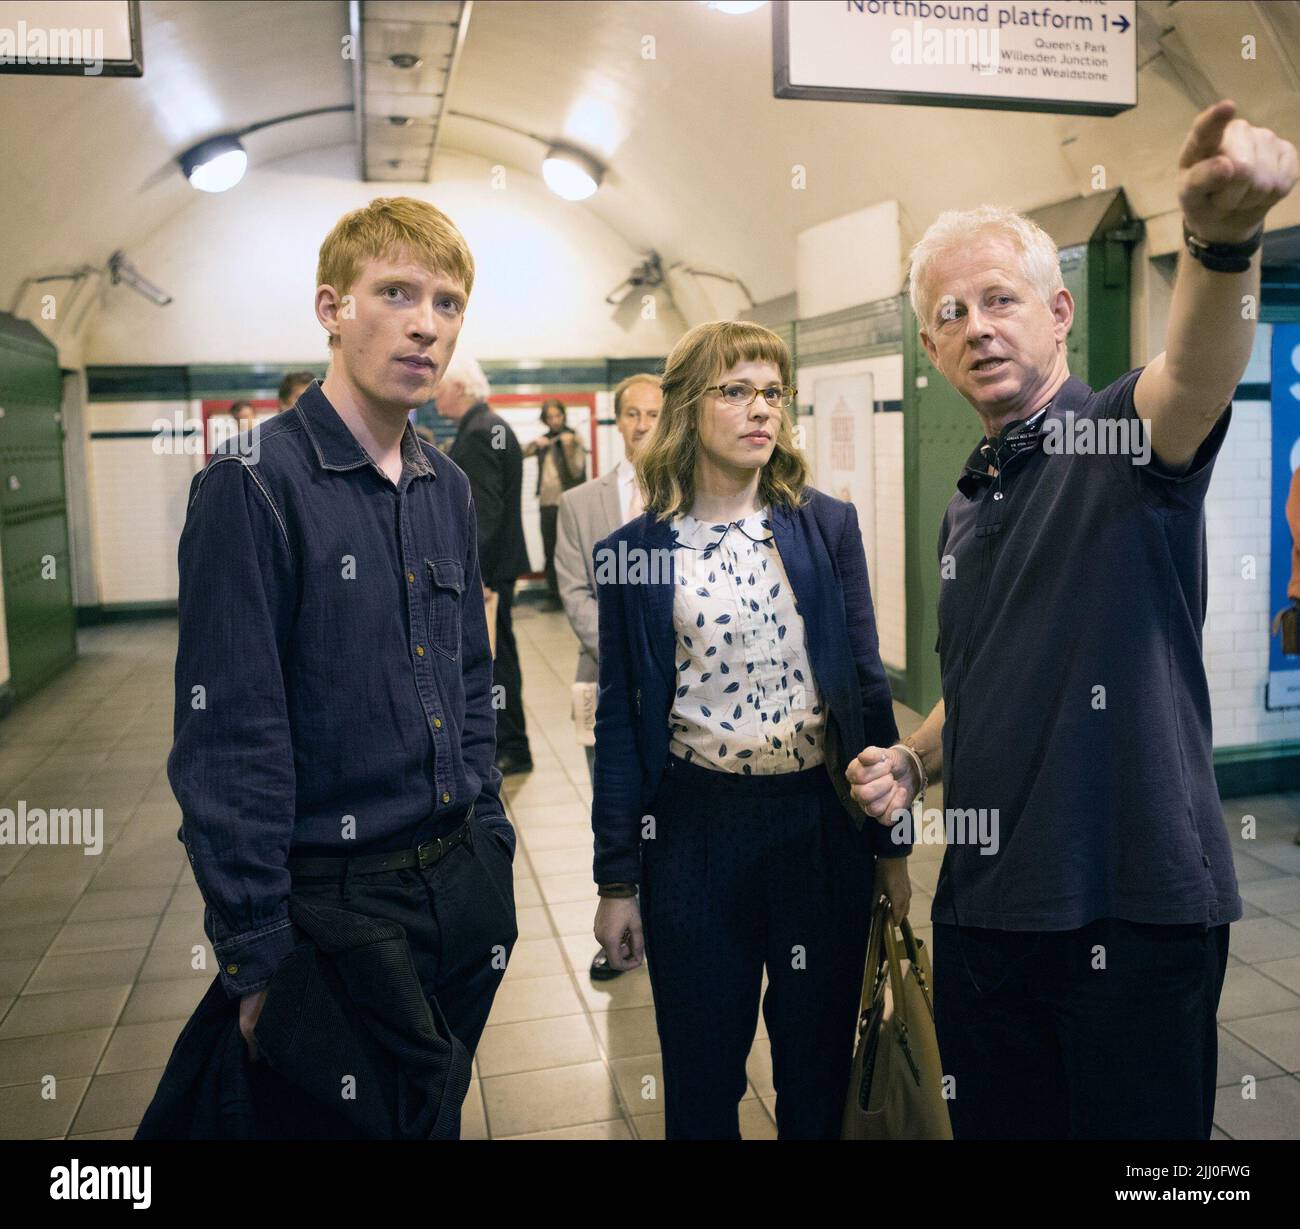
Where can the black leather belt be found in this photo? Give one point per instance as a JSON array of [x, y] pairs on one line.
[[418, 858]]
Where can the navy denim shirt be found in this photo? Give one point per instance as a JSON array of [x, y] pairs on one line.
[[333, 679]]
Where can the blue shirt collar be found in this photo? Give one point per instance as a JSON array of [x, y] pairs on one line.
[[337, 448]]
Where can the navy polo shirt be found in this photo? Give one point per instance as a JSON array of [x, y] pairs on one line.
[[1070, 615]]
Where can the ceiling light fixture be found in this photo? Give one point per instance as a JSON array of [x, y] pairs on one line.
[[734, 7], [570, 173], [215, 165], [219, 163]]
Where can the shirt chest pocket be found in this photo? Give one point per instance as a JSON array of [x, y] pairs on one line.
[[445, 598]]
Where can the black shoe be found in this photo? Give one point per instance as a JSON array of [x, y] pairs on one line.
[[600, 970], [509, 762]]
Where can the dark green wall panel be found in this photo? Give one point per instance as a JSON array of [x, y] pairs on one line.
[[39, 614]]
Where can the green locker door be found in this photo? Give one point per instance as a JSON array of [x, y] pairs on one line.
[[39, 614], [939, 431]]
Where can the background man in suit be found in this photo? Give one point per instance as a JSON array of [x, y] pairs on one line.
[[589, 513], [487, 450]]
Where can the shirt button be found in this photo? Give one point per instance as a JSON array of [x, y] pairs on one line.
[[232, 969], [410, 576], [437, 723], [446, 797], [419, 650]]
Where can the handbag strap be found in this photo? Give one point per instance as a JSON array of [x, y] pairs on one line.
[[918, 968], [875, 952], [882, 949], [895, 971]]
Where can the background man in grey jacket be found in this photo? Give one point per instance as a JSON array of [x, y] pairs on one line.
[[589, 513]]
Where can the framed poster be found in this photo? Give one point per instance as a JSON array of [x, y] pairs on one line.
[[1283, 690], [1071, 57]]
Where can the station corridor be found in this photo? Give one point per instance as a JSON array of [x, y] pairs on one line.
[[96, 951]]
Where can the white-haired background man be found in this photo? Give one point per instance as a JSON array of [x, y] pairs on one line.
[[1078, 969], [486, 449]]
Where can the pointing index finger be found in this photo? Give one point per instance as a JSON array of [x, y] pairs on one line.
[[1206, 135]]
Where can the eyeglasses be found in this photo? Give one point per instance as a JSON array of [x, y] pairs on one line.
[[737, 393]]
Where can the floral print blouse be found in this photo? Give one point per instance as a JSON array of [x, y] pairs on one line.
[[746, 700]]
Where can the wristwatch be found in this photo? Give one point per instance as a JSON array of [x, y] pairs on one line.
[[1223, 257]]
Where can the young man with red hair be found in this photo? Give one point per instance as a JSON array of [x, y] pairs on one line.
[[334, 727]]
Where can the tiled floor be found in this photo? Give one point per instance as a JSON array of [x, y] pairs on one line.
[[97, 953]]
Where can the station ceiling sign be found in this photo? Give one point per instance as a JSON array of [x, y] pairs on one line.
[[1076, 57]]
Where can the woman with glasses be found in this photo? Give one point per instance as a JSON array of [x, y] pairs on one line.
[[739, 675]]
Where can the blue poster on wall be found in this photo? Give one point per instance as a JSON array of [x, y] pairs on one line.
[[1284, 571]]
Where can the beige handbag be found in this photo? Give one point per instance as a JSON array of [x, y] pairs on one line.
[[896, 1091]]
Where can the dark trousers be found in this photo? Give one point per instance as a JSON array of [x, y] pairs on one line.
[[1105, 1032], [744, 871], [459, 918], [512, 734], [549, 517]]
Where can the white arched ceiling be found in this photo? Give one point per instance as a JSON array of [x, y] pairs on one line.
[[700, 154], [89, 162], [241, 267]]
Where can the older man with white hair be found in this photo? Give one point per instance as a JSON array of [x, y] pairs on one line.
[[1080, 958], [486, 449]]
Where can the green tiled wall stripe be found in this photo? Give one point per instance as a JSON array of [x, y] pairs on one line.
[[1264, 768], [137, 383], [133, 435], [220, 382], [89, 616]]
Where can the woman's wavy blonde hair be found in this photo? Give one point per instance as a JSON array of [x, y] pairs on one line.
[[665, 465]]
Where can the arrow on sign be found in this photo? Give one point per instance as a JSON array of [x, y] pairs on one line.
[[1123, 23]]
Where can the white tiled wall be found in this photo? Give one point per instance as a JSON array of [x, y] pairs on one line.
[[137, 503], [1238, 511], [885, 543]]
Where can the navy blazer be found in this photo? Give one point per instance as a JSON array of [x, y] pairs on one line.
[[821, 550]]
